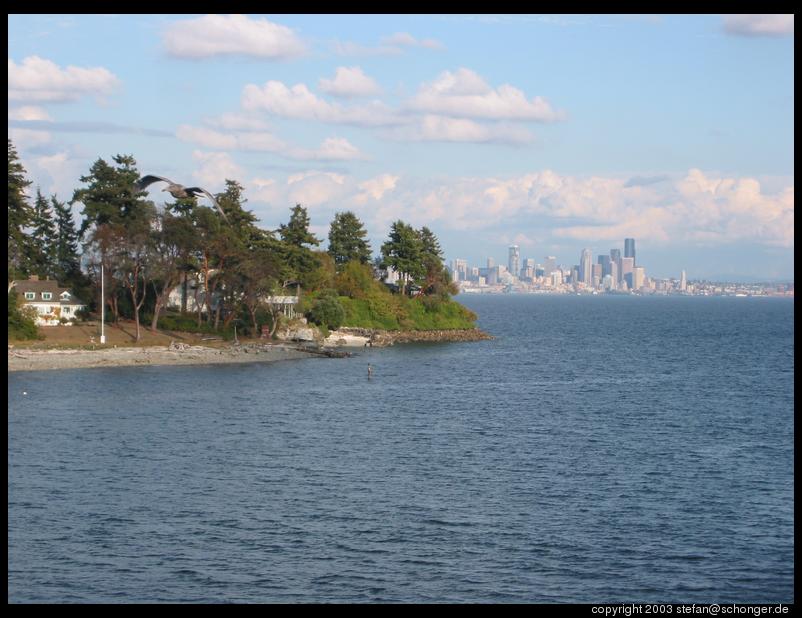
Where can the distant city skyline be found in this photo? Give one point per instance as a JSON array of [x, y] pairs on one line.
[[557, 133]]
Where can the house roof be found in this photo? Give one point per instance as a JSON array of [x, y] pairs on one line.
[[48, 285]]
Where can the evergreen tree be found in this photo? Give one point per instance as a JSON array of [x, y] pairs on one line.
[[20, 216], [347, 240], [295, 237], [111, 197], [404, 252], [43, 239], [67, 260]]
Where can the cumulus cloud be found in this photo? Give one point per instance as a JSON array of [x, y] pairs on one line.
[[389, 46], [376, 188], [404, 39], [465, 94], [642, 181], [434, 128], [332, 148], [214, 169], [760, 24], [350, 82], [300, 103], [40, 80], [221, 35]]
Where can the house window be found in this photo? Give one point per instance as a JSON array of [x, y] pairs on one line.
[[66, 310], [30, 295], [65, 295], [46, 295]]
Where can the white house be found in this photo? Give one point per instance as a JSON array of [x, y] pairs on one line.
[[52, 302]]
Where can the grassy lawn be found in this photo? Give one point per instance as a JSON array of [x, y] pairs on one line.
[[122, 334]]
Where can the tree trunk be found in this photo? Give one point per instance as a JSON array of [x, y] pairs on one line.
[[252, 311], [156, 311], [184, 295]]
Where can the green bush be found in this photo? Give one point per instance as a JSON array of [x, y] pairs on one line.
[[21, 324], [327, 311]]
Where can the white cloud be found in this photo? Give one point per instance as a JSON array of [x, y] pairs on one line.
[[376, 188], [41, 80], [434, 128], [350, 82], [332, 148], [336, 149], [760, 25], [220, 35], [28, 112], [214, 169], [544, 207], [28, 138], [238, 122], [300, 103], [465, 94], [389, 46], [404, 39]]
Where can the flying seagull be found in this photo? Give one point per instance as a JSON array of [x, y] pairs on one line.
[[178, 191]]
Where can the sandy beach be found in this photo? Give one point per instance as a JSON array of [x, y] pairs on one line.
[[21, 359]]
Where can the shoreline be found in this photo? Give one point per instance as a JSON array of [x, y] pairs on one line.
[[47, 360], [29, 359]]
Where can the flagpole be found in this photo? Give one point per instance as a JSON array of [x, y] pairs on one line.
[[102, 307]]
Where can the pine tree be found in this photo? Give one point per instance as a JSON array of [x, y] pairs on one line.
[[67, 260], [43, 238], [347, 240], [20, 216], [404, 252], [295, 237]]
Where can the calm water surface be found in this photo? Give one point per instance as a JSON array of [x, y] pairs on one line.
[[599, 449]]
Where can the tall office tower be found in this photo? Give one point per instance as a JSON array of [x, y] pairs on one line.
[[629, 248], [614, 274], [615, 258], [514, 263], [597, 275], [627, 266], [585, 263], [605, 262], [491, 262], [683, 283], [557, 278], [638, 277], [550, 265]]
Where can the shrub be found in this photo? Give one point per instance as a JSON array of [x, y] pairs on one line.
[[327, 311], [21, 321]]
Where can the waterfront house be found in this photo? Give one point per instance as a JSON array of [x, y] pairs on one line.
[[52, 302]]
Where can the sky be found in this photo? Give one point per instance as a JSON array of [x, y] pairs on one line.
[[552, 132]]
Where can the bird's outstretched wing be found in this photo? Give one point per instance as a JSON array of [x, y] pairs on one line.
[[149, 180], [197, 190]]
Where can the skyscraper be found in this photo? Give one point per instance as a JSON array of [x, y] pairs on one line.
[[629, 249], [638, 277], [605, 262], [550, 265], [615, 258], [514, 264], [627, 266], [585, 264], [683, 283]]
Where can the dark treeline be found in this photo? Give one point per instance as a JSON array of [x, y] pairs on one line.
[[227, 267]]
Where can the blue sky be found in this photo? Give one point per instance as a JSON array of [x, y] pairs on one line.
[[553, 132]]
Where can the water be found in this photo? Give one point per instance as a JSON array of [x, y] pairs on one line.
[[600, 449]]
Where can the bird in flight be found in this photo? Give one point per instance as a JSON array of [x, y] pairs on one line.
[[178, 191]]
